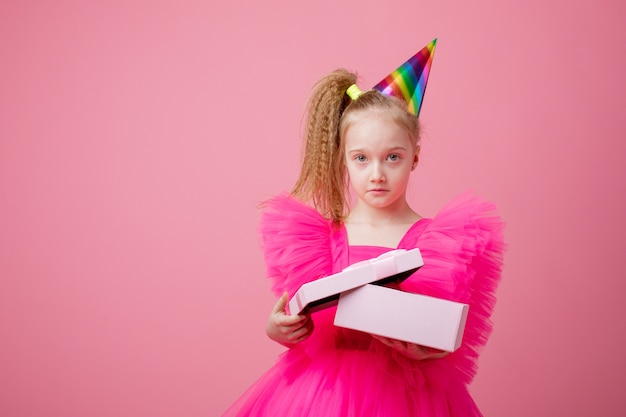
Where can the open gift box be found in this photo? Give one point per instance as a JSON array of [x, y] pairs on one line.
[[365, 304]]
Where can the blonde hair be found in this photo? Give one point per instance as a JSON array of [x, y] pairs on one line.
[[330, 112]]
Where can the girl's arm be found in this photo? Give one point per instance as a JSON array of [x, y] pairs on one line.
[[285, 329]]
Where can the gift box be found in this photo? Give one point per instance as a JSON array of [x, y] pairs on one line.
[[392, 266], [409, 317]]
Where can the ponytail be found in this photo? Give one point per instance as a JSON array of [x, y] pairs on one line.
[[322, 176]]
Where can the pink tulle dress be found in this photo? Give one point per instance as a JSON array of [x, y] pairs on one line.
[[338, 372]]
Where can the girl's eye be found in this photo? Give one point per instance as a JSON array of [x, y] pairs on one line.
[[360, 158], [394, 157]]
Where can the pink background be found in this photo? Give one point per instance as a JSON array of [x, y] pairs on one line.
[[137, 138]]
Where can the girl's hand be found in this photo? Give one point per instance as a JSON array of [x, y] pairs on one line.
[[287, 330], [411, 350]]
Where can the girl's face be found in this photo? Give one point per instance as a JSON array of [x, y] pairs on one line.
[[380, 156]]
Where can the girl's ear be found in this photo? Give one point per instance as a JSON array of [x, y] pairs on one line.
[[416, 158]]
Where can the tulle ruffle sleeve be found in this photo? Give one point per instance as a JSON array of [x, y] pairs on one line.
[[296, 243], [462, 247]]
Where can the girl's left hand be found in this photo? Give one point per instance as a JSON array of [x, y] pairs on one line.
[[411, 350]]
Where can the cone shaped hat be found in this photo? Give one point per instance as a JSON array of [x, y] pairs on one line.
[[408, 82]]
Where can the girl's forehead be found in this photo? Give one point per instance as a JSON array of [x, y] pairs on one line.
[[377, 126], [377, 135]]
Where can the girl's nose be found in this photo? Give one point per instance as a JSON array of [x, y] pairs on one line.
[[377, 174]]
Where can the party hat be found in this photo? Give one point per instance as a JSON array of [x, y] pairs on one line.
[[408, 82]]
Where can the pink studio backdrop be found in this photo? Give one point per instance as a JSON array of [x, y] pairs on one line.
[[137, 138]]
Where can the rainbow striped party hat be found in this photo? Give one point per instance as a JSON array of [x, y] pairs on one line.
[[408, 82]]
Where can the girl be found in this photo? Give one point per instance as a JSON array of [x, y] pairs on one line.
[[369, 142]]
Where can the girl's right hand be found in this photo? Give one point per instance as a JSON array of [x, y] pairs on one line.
[[287, 330], [411, 350]]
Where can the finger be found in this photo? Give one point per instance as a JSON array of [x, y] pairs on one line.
[[281, 303], [392, 343], [383, 340], [304, 337], [299, 333], [398, 345], [291, 321], [304, 332]]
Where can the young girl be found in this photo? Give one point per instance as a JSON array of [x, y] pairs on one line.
[[370, 143]]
